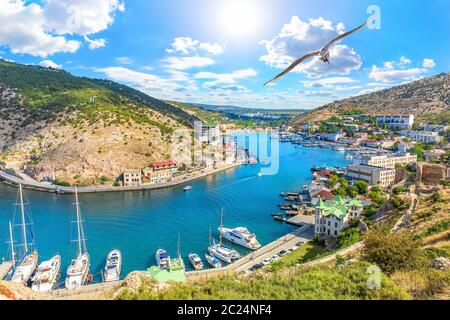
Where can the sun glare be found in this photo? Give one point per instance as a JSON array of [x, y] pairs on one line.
[[240, 17]]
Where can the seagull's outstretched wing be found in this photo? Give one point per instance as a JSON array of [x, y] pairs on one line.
[[293, 65], [342, 36]]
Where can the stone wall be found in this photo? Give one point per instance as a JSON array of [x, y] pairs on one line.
[[431, 174]]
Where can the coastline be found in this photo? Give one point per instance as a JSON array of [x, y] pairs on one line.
[[42, 187]]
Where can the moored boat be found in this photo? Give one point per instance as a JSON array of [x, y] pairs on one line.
[[240, 236], [47, 275], [26, 265], [213, 262], [78, 270], [195, 261], [113, 266], [162, 259], [188, 188]]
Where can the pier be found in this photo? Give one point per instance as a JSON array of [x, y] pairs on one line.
[[301, 220]]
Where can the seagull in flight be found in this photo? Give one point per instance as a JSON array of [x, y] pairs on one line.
[[324, 53]]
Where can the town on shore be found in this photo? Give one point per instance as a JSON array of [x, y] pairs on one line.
[[389, 162]]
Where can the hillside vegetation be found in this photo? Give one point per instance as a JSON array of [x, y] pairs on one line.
[[428, 99], [82, 129]]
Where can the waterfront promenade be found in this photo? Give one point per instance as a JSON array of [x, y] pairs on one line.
[[29, 183]]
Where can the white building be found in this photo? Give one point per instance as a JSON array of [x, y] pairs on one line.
[[208, 134], [434, 128], [383, 177], [389, 161], [422, 136], [335, 215], [333, 137], [132, 178], [396, 121]]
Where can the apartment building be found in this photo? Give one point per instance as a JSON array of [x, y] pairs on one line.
[[132, 178], [422, 136], [372, 175], [160, 172], [389, 161], [396, 121]]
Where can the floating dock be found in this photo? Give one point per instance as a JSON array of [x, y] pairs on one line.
[[5, 268]]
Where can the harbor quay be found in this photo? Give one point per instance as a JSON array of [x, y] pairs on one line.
[[44, 187]]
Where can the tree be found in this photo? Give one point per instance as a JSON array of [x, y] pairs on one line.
[[332, 181], [349, 237], [340, 192], [362, 186], [393, 251], [343, 182]]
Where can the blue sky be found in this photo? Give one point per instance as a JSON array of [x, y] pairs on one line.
[[222, 51]]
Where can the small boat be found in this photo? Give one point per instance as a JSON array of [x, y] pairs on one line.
[[47, 275], [285, 207], [260, 174], [196, 262], [281, 219], [113, 266], [213, 262], [188, 188], [283, 194], [162, 259], [277, 214], [78, 270]]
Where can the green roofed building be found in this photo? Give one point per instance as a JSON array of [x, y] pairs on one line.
[[334, 215]]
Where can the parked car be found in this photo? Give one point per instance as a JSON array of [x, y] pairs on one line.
[[299, 244], [266, 262], [282, 253], [293, 248], [275, 257]]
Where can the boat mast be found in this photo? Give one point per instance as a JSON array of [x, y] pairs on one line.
[[210, 236], [221, 226], [22, 212], [13, 256], [80, 231]]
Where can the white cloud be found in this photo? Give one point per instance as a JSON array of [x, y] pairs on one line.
[[224, 78], [124, 60], [393, 71], [394, 75], [212, 48], [50, 64], [298, 37], [405, 61], [429, 63], [187, 45], [95, 43], [186, 63], [328, 82], [41, 29]]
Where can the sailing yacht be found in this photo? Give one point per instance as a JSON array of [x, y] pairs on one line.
[[221, 252], [47, 275], [78, 270], [27, 263], [113, 266]]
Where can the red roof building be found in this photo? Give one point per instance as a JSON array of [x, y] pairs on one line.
[[162, 165]]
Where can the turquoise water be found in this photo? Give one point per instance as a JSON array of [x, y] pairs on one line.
[[138, 223]]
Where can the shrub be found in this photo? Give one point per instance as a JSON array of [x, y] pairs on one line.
[[349, 237], [393, 252], [362, 186]]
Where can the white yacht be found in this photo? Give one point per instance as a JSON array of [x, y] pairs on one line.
[[213, 262], [196, 262], [27, 264], [113, 266], [78, 271], [47, 275], [223, 253], [162, 259], [240, 236]]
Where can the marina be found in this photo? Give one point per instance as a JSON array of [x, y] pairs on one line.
[[138, 222]]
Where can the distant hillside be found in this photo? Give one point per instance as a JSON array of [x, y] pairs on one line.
[[85, 130], [428, 99], [244, 110]]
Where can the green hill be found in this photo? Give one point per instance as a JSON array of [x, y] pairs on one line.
[[86, 130]]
